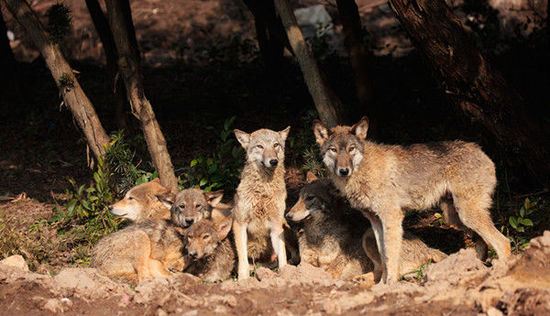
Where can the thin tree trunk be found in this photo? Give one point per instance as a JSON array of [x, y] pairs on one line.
[[351, 24], [73, 96], [472, 84], [106, 36], [7, 59], [329, 107], [120, 20]]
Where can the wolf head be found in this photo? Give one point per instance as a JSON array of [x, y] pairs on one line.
[[203, 237], [264, 147], [142, 202], [342, 147], [191, 205], [314, 202]]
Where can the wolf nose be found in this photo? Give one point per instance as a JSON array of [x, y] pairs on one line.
[[189, 221], [110, 207], [193, 254], [344, 172], [273, 162]]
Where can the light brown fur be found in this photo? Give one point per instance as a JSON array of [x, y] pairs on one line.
[[210, 245], [142, 202], [260, 199], [191, 205], [382, 181], [144, 250]]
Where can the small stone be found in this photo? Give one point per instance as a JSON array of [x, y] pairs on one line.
[[16, 261]]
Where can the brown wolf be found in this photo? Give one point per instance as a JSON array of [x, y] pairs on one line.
[[143, 202], [144, 250], [382, 181], [191, 205], [210, 247], [260, 198]]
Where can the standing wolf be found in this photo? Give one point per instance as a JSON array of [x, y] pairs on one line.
[[382, 181], [261, 194]]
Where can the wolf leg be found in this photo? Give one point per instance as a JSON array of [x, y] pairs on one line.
[[278, 242], [241, 240], [392, 237]]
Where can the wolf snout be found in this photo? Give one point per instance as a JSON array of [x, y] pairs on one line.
[[188, 222], [193, 255], [110, 208], [343, 172], [273, 162]]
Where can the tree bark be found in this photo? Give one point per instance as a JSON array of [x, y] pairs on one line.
[[106, 36], [73, 96], [120, 20], [328, 105], [472, 84], [7, 59], [351, 24]]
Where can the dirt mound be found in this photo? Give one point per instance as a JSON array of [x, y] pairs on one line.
[[460, 284]]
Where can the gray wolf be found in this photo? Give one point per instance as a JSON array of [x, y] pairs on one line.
[[382, 181], [260, 198], [211, 249], [143, 202]]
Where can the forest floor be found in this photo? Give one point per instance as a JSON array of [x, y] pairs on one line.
[[199, 73]]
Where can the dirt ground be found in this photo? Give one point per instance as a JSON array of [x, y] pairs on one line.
[[458, 285]]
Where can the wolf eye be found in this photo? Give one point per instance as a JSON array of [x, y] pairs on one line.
[[309, 198], [197, 205], [351, 148], [276, 145], [205, 237], [333, 149], [130, 198], [182, 206]]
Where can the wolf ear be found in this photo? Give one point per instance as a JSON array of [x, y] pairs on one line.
[[310, 177], [167, 198], [284, 133], [320, 131], [360, 128], [213, 198], [224, 227], [242, 137]]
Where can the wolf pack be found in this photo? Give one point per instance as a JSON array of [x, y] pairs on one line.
[[349, 224]]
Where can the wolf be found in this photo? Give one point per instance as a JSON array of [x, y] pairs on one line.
[[148, 249], [331, 233], [260, 198], [211, 249], [382, 181], [191, 205], [143, 202]]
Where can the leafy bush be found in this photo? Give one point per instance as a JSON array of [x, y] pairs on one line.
[[221, 169], [520, 229]]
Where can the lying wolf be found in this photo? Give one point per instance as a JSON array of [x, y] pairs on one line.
[[332, 233], [143, 202], [382, 181]]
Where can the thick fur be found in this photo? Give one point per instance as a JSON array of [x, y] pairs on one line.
[[330, 233], [258, 215], [191, 205], [382, 181], [210, 245], [414, 253], [143, 202], [144, 250]]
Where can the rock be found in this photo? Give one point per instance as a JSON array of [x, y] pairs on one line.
[[87, 283], [54, 306], [461, 268], [16, 261]]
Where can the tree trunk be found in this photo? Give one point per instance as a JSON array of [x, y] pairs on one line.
[[351, 24], [329, 107], [120, 20], [270, 33], [106, 36], [73, 96], [472, 84], [7, 59]]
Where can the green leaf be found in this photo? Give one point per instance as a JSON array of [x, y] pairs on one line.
[[526, 203], [527, 222], [513, 222], [213, 168], [71, 205], [193, 162], [203, 182], [437, 215], [522, 211], [521, 229]]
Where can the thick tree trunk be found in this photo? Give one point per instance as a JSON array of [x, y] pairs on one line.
[[106, 36], [328, 105], [73, 96], [351, 24], [472, 84], [120, 20]]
